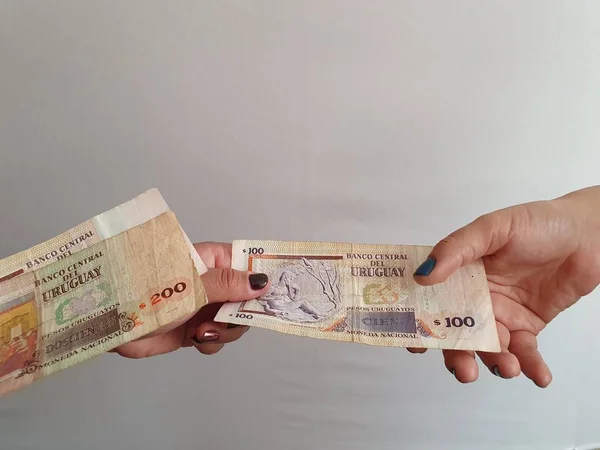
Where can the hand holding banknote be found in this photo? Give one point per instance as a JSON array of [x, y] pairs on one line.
[[221, 284], [364, 294], [540, 258], [127, 280]]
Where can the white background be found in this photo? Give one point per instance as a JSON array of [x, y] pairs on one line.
[[362, 121]]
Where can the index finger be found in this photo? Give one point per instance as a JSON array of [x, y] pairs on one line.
[[215, 255]]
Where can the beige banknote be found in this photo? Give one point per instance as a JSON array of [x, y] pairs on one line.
[[119, 219], [365, 294], [54, 315]]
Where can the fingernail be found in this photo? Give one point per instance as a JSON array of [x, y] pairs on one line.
[[426, 268], [496, 372], [208, 336], [258, 281], [211, 335], [453, 372], [232, 325]]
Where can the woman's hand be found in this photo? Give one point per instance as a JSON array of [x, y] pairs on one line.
[[222, 284], [540, 258]]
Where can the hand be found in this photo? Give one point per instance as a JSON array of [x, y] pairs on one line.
[[540, 258], [222, 284]]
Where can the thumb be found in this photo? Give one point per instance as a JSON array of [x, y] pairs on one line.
[[484, 236], [229, 285]]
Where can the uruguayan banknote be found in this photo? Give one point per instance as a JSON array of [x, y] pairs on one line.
[[113, 279], [117, 220], [365, 294]]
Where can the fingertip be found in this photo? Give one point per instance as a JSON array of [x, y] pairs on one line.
[[507, 371], [204, 334], [413, 350], [209, 349], [433, 270], [424, 280], [462, 365], [503, 365], [217, 332], [207, 341], [543, 381], [524, 346], [466, 375]]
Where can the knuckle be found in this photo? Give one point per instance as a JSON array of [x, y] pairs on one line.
[[451, 246], [489, 222], [463, 243], [227, 281], [469, 253], [449, 241], [524, 347]]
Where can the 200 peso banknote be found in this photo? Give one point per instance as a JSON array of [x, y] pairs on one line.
[[365, 294], [130, 214], [113, 279]]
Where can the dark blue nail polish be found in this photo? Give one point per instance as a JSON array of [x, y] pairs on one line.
[[232, 325], [496, 372], [426, 268]]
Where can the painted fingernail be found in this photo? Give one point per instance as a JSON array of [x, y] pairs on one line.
[[232, 325], [208, 336], [258, 281], [453, 372], [426, 268]]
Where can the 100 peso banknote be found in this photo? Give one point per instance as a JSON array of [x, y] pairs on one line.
[[113, 279], [365, 294]]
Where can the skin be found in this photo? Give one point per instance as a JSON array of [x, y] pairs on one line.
[[222, 284], [540, 258]]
